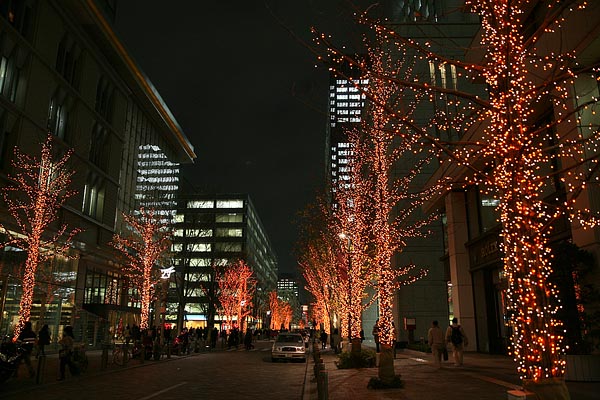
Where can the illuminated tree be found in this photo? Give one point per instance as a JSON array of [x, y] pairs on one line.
[[319, 261], [349, 227], [275, 312], [536, 167], [281, 312], [146, 242], [236, 290], [40, 188]]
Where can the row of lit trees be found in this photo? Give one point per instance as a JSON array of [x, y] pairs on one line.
[[505, 146], [39, 189]]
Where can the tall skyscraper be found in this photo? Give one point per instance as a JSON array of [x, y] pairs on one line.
[[346, 104]]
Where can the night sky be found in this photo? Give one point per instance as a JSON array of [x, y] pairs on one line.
[[246, 93]]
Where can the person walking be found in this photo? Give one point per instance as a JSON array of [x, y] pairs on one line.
[[43, 339], [66, 351], [435, 337], [336, 340], [375, 333], [323, 339], [28, 337], [455, 335]]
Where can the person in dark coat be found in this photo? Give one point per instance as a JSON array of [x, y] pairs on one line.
[[43, 339], [323, 339], [28, 338], [248, 339], [66, 352]]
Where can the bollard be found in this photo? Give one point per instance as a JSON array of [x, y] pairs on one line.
[[143, 354], [323, 385], [169, 350], [319, 366], [41, 367]]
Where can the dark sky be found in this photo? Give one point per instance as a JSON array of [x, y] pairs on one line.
[[246, 93]]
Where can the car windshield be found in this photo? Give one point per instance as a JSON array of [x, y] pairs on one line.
[[289, 338]]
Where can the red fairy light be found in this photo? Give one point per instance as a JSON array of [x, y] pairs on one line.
[[148, 241], [236, 290], [41, 187]]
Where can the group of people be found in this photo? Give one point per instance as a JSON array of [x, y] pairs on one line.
[[438, 341], [29, 340]]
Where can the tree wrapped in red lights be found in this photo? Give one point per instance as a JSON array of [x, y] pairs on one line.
[[146, 242], [281, 312], [506, 145], [319, 262], [236, 291], [40, 189], [349, 224]]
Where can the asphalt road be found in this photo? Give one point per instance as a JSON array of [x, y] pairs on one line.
[[235, 374]]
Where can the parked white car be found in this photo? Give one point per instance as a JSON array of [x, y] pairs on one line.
[[288, 346]]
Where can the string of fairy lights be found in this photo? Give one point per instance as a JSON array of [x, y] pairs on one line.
[[281, 312], [505, 146], [236, 290], [41, 187], [148, 241]]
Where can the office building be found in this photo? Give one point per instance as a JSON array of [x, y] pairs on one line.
[[217, 230], [64, 71]]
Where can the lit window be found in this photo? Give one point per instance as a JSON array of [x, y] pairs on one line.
[[176, 247], [198, 232], [230, 203], [200, 247], [229, 232], [228, 247], [199, 262], [231, 217], [200, 204]]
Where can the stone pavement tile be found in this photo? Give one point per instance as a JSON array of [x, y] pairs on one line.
[[484, 377]]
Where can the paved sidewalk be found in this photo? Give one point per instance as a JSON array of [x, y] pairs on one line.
[[483, 377], [50, 372]]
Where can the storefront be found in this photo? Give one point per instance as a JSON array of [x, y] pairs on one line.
[[489, 292]]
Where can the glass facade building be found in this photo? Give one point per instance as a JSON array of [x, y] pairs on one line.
[[216, 230]]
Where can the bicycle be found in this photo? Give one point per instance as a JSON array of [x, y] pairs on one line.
[[79, 358], [124, 352], [121, 354]]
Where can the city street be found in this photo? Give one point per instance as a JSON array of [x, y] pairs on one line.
[[219, 374]]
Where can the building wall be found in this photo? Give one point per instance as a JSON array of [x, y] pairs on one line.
[[67, 59], [474, 251], [224, 228]]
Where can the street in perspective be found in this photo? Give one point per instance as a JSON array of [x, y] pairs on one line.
[[313, 200]]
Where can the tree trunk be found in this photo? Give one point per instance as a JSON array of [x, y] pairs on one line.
[[386, 364], [357, 347]]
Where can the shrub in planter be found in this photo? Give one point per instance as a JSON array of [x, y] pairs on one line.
[[366, 358]]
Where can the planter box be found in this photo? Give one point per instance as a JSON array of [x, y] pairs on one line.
[[583, 368]]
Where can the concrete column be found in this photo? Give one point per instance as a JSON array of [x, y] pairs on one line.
[[462, 292]]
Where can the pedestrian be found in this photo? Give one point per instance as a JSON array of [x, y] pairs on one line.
[[435, 338], [323, 339], [43, 339], [362, 335], [335, 340], [375, 333], [455, 335], [248, 340], [28, 338], [127, 334], [65, 353]]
